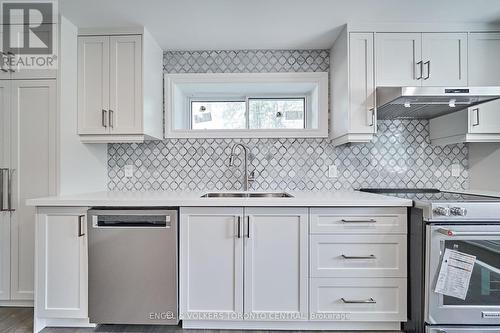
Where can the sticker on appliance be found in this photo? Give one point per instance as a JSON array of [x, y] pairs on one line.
[[455, 273]]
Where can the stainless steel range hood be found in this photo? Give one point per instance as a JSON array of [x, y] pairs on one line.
[[429, 102]]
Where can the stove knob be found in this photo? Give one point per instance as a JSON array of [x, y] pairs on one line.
[[458, 211], [443, 211]]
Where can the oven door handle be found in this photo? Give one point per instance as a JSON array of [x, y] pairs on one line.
[[452, 233]]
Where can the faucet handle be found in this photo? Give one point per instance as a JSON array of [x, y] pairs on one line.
[[251, 176]]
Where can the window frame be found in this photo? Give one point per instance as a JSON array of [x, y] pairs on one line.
[[179, 87], [246, 100]]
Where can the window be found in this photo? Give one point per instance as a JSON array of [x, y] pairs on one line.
[[246, 105], [218, 114], [262, 113], [269, 113]]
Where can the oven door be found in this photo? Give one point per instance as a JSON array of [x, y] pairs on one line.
[[482, 303]]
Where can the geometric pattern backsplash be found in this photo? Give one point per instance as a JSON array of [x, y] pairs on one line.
[[399, 156]]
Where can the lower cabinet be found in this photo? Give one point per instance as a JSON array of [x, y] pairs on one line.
[[244, 264], [61, 263]]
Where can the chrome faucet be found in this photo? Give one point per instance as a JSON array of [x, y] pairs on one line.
[[247, 177]]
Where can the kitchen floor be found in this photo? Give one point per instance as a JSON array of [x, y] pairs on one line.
[[20, 320]]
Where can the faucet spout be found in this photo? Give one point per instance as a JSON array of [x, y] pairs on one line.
[[247, 178]]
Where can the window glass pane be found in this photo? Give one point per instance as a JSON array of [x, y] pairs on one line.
[[218, 115], [276, 113]]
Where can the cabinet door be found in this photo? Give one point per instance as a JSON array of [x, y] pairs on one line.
[[484, 59], [211, 263], [398, 57], [276, 263], [125, 110], [485, 118], [33, 172], [445, 59], [61, 274], [93, 85], [361, 83], [4, 164], [484, 70]]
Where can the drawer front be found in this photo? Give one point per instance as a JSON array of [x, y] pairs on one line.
[[370, 220], [359, 299], [358, 255]]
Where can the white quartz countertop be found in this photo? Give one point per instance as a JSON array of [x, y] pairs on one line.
[[187, 198]]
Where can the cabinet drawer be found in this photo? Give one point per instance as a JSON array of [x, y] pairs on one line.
[[373, 220], [360, 299], [358, 255]]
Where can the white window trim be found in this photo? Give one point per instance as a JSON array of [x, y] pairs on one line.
[[318, 78]]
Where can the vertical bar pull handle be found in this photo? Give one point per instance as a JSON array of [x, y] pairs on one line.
[[111, 118], [2, 208], [420, 65], [428, 63], [371, 116], [475, 117], [9, 189], [104, 118], [239, 226], [248, 226], [80, 228]]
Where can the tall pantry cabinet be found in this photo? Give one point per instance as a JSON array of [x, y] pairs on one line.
[[27, 170]]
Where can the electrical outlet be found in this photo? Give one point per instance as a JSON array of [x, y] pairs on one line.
[[332, 171], [455, 170], [129, 171]]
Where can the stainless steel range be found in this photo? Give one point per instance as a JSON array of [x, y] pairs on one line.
[[466, 223]]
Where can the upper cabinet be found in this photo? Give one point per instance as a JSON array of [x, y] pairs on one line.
[[480, 123], [119, 88], [421, 59], [353, 116]]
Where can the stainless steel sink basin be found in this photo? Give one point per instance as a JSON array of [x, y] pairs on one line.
[[247, 195]]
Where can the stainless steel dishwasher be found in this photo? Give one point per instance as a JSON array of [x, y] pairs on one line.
[[133, 266]]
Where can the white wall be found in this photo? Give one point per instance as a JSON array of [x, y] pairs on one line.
[[484, 166], [83, 167]]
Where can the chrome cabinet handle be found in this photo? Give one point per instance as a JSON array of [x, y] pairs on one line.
[[475, 116], [452, 233], [111, 120], [421, 65], [9, 190], [80, 222], [239, 227], [370, 256], [2, 200], [371, 116], [248, 226], [358, 221], [428, 63], [104, 118], [360, 301]]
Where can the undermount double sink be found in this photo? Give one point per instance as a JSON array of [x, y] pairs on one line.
[[247, 195]]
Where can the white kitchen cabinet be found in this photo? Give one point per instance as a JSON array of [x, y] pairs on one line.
[[398, 59], [120, 88], [353, 117], [29, 150], [276, 263], [421, 59], [243, 264], [480, 123], [444, 57], [211, 263], [61, 261]]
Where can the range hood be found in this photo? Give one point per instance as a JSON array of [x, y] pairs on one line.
[[429, 102]]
